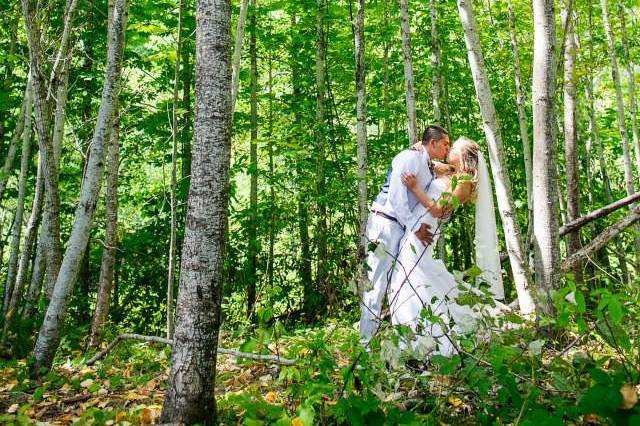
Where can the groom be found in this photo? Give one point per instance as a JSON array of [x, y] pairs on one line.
[[391, 214]]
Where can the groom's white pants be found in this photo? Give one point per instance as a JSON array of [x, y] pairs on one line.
[[386, 234]]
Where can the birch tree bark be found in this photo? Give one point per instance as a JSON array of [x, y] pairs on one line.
[[252, 265], [570, 139], [190, 392], [237, 53], [109, 249], [27, 247], [16, 232], [41, 108], [633, 104], [501, 180], [174, 180], [622, 126], [361, 119], [405, 29], [545, 210], [49, 335], [13, 147], [522, 121]]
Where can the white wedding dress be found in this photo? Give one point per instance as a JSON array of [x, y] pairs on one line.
[[425, 296]]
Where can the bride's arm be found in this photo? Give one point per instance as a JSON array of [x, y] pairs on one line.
[[431, 205], [442, 169]]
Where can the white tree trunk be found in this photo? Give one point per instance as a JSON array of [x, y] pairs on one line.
[[13, 148], [237, 53], [190, 394], [501, 180], [545, 193], [49, 335], [16, 232], [361, 118], [405, 29]]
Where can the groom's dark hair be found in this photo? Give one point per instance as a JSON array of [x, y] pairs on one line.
[[433, 133]]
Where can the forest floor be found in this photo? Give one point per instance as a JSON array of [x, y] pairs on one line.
[[506, 383]]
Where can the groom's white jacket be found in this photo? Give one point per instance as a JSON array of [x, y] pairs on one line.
[[400, 201]]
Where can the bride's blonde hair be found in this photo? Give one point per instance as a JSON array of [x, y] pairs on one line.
[[468, 150]]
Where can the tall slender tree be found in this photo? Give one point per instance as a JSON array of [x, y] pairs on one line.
[[522, 121], [321, 135], [190, 394], [405, 29], [622, 125], [545, 194], [49, 335], [571, 138], [361, 132], [506, 205], [252, 264]]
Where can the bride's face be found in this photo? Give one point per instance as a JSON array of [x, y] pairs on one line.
[[454, 158]]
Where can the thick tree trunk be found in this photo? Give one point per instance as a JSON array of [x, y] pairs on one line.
[[190, 394], [49, 335], [13, 147], [545, 194], [320, 136], [37, 274], [109, 249], [252, 258], [16, 232], [237, 53], [501, 180], [171, 281], [405, 29], [622, 126], [522, 122], [571, 140], [361, 118], [633, 104]]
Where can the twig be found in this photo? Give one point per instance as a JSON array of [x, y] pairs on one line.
[[156, 339]]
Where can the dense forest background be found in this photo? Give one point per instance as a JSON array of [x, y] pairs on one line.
[[291, 262]]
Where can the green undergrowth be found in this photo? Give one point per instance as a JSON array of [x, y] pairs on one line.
[[583, 368]]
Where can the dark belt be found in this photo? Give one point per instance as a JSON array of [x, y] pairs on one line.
[[388, 217]]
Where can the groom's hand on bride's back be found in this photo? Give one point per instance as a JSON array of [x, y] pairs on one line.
[[424, 234]]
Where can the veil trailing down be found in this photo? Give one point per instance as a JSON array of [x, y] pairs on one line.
[[430, 300], [486, 239]]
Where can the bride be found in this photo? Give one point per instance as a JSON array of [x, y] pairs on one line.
[[423, 294]]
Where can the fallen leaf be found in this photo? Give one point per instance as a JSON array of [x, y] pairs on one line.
[[629, 397], [12, 409], [297, 421], [271, 397], [150, 415], [86, 383], [455, 401]]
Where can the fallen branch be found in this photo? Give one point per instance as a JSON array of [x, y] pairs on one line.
[[600, 241], [574, 225], [156, 339]]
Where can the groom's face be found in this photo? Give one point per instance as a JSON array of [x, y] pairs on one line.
[[440, 148]]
